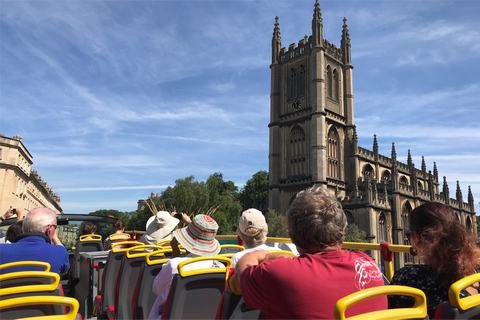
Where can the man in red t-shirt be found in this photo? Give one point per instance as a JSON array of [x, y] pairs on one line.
[[307, 287]]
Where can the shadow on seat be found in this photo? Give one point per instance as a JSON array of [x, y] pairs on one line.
[[418, 311], [116, 237], [195, 294], [460, 308]]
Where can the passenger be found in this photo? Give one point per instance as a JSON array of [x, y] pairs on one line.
[[14, 231], [283, 286], [160, 227], [448, 251], [88, 228], [252, 231], [40, 229], [120, 226], [198, 238], [10, 213]]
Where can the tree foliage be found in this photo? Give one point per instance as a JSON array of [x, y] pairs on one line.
[[354, 234], [277, 224], [105, 229], [255, 192]]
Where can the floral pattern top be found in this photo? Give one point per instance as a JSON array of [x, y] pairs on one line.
[[420, 277]]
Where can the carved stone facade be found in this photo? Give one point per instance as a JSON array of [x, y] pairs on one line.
[[20, 185], [313, 142]]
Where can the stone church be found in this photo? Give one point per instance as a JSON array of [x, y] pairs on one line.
[[313, 142]]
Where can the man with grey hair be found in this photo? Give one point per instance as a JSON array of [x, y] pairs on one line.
[[252, 231], [35, 243], [308, 286]]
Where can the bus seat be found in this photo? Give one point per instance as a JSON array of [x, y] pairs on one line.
[[40, 308], [116, 237], [230, 248], [24, 266], [460, 308], [127, 281], [109, 277], [41, 279], [85, 245], [195, 294], [418, 311], [143, 297], [232, 305]]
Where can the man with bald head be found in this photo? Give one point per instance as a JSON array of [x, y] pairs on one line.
[[38, 242]]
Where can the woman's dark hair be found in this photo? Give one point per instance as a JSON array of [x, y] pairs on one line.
[[444, 243], [119, 225], [14, 230], [88, 228]]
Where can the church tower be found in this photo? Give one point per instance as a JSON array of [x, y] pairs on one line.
[[312, 132]]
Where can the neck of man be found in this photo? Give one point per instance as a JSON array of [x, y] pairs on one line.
[[317, 250]]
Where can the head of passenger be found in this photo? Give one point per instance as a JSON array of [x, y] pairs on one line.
[[159, 227], [199, 236], [442, 242], [316, 221], [41, 220], [14, 230], [89, 228], [252, 228], [120, 226]]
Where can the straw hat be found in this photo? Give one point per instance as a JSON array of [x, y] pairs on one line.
[[159, 227], [199, 236]]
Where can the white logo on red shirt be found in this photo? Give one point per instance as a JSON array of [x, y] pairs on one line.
[[366, 271]]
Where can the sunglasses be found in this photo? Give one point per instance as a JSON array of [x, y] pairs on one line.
[[53, 225]]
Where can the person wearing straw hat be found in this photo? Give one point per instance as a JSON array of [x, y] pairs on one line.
[[198, 239], [160, 227]]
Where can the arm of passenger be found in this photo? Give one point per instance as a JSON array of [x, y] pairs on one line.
[[164, 279], [250, 259]]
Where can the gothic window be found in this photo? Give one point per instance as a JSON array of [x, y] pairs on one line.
[[403, 180], [367, 171], [333, 153], [298, 150], [329, 82], [382, 228], [406, 210], [386, 176], [469, 224], [292, 84], [420, 185], [335, 83], [301, 82]]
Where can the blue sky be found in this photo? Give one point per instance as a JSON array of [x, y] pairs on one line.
[[115, 99]]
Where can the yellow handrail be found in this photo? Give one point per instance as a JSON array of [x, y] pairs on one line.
[[185, 273], [456, 287], [117, 247], [46, 265], [94, 237], [418, 311], [29, 288]]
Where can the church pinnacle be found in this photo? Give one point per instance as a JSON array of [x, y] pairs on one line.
[[317, 25], [276, 42]]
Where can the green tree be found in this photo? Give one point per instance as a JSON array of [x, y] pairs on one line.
[[255, 192], [277, 224]]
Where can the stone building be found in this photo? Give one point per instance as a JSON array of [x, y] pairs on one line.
[[313, 141], [20, 185]]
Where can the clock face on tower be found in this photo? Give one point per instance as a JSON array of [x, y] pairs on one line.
[[296, 105]]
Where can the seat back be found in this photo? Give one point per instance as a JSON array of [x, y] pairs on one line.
[[85, 245], [143, 297], [24, 266], [196, 294], [30, 284], [116, 237], [232, 305], [460, 308], [110, 272], [419, 310], [127, 279], [42, 307]]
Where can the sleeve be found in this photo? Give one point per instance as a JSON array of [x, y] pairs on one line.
[[256, 282], [65, 264], [164, 278]]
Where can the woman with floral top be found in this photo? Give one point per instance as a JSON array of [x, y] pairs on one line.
[[448, 251]]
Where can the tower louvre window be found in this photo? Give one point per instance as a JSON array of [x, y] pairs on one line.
[[301, 82], [298, 150], [335, 86], [333, 153], [329, 82], [292, 84], [382, 228]]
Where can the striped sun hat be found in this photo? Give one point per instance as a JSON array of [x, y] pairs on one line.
[[199, 236]]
